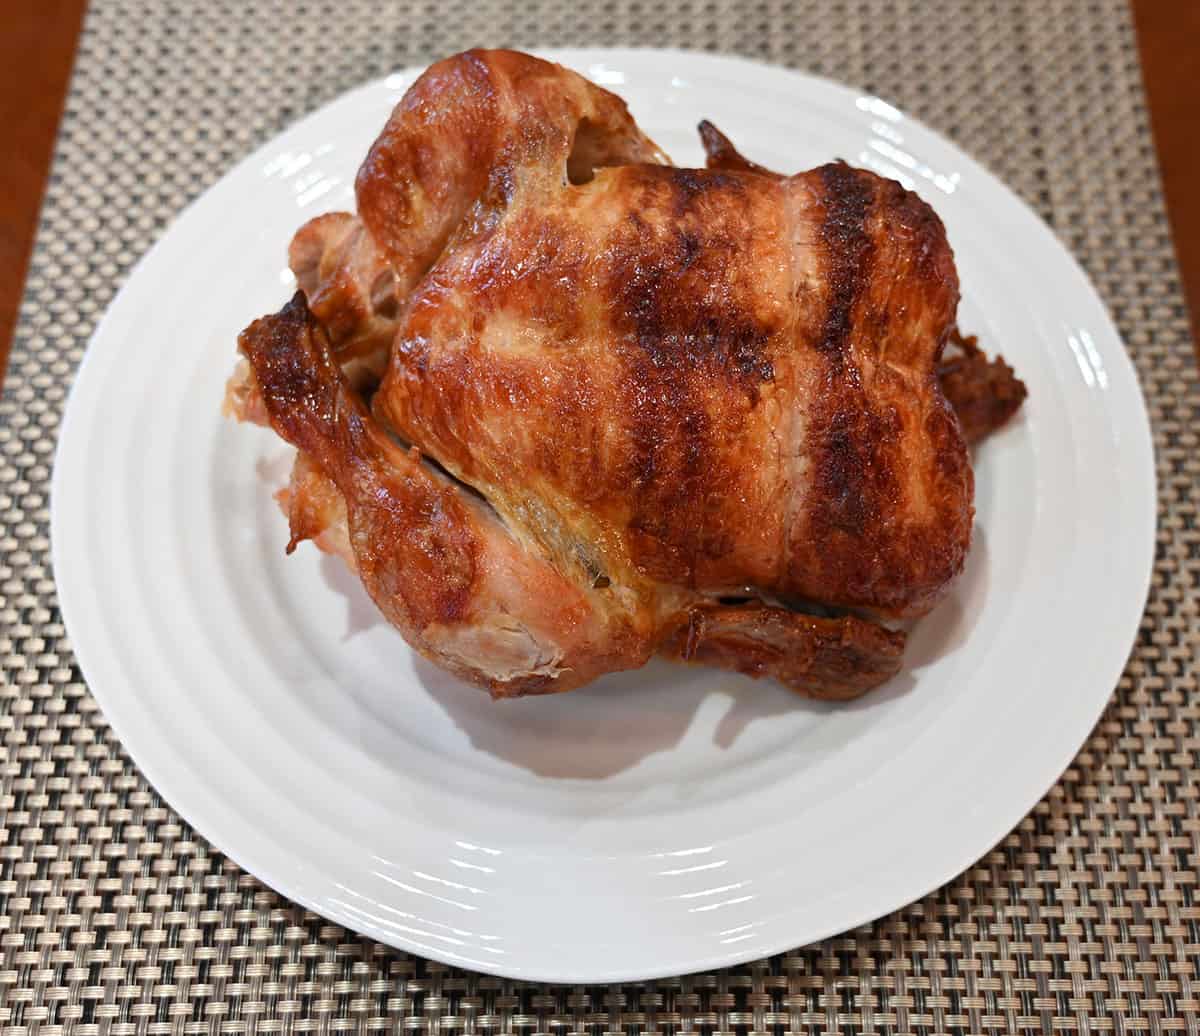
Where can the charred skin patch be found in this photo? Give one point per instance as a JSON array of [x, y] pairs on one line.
[[680, 283], [862, 532], [695, 355], [849, 252], [853, 484], [844, 435], [856, 489]]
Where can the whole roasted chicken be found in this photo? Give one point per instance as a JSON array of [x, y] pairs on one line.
[[563, 406]]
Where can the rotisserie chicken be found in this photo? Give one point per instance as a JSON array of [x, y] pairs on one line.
[[563, 406]]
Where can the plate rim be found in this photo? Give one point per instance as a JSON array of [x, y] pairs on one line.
[[1140, 442]]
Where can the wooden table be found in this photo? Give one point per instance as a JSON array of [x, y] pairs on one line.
[[37, 44]]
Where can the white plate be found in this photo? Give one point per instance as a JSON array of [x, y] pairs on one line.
[[654, 823]]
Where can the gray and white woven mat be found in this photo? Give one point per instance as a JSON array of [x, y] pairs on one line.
[[115, 917]]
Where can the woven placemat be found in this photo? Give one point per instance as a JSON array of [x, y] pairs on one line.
[[115, 917]]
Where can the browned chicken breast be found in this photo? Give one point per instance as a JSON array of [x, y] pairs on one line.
[[563, 406]]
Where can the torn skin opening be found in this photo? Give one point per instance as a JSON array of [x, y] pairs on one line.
[[593, 147], [584, 154]]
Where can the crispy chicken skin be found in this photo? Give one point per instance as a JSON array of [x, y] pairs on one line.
[[441, 566], [706, 380], [627, 392]]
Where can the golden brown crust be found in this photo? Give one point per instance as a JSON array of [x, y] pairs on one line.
[[471, 131], [890, 513], [654, 387], [739, 373]]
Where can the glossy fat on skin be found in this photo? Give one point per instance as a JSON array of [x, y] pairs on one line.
[[474, 130], [706, 379]]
